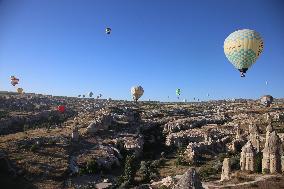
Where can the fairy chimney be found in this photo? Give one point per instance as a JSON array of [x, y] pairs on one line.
[[226, 170], [247, 160], [271, 161]]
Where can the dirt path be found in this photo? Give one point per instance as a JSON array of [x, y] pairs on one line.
[[216, 184]]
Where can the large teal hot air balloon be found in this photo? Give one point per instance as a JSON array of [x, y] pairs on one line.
[[242, 48]]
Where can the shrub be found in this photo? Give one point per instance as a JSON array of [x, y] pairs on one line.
[[26, 127], [129, 169], [235, 162], [91, 168], [51, 142], [180, 161], [145, 171], [258, 163], [34, 147], [207, 171], [149, 170], [266, 171], [124, 185]]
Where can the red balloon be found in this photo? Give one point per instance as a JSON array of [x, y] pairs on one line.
[[61, 108]]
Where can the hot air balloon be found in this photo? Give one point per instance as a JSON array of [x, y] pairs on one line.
[[100, 95], [14, 80], [61, 108], [20, 90], [242, 48], [178, 93], [266, 100], [108, 30], [83, 96], [91, 94], [136, 92], [79, 96]]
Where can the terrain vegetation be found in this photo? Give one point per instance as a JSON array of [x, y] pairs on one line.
[[99, 143]]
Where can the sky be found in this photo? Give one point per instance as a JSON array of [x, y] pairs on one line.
[[60, 47]]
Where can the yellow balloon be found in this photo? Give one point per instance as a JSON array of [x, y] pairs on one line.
[[242, 48]]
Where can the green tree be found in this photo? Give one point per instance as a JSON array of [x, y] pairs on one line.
[[258, 162], [145, 171], [129, 169]]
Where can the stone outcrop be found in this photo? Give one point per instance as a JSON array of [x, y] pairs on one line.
[[73, 167], [195, 149], [271, 162], [105, 156], [226, 170], [195, 135], [167, 181], [75, 134], [247, 160], [189, 180], [238, 132], [269, 130], [254, 137], [100, 123], [133, 143], [236, 145], [190, 123]]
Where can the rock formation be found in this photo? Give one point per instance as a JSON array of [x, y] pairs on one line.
[[238, 132], [271, 161], [269, 130], [75, 134], [254, 137], [226, 170], [100, 123], [189, 180], [247, 160]]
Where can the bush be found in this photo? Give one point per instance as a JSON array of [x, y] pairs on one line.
[[156, 163], [26, 127], [149, 170], [91, 168], [180, 161], [129, 169], [3, 114], [145, 171], [235, 162], [207, 171], [124, 185], [51, 142], [258, 163], [34, 147], [266, 171]]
